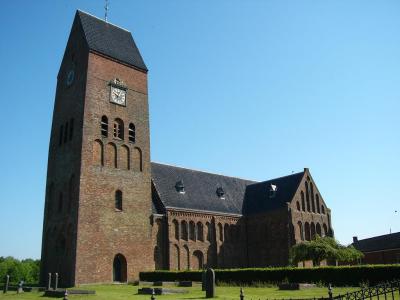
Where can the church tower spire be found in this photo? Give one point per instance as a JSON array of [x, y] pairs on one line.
[[98, 194]]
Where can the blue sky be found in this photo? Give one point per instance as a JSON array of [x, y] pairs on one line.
[[255, 89]]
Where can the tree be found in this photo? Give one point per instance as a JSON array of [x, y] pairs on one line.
[[27, 270], [323, 248]]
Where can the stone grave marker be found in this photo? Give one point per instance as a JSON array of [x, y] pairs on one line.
[[210, 283]]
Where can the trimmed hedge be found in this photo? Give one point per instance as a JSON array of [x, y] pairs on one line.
[[338, 276]]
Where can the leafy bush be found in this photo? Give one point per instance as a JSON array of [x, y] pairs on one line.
[[26, 270], [338, 276], [323, 248]]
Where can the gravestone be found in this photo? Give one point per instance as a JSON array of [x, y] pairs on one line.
[[49, 282], [20, 287], [210, 283], [5, 290], [56, 282]]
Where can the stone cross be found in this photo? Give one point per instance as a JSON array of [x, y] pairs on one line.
[[49, 282], [65, 295], [210, 283], [241, 294], [56, 282], [5, 290], [330, 291], [20, 287]]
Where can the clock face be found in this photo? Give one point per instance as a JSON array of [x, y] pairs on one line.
[[118, 96], [70, 77]]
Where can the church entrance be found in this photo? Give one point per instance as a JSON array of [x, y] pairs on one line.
[[119, 268]]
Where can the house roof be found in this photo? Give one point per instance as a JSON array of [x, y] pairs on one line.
[[110, 40], [260, 199], [382, 242], [201, 191]]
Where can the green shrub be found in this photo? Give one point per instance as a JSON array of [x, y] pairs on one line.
[[26, 270], [338, 276]]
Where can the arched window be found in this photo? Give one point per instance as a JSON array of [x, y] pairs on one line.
[[176, 229], [98, 153], [301, 230], [104, 126], [118, 200], [124, 158], [200, 235], [192, 230], [184, 231], [220, 231], [318, 229], [111, 155], [298, 205], [132, 133], [307, 196], [307, 231], [137, 159], [177, 258], [118, 129], [317, 204], [303, 203], [312, 231], [323, 209], [325, 229], [186, 262], [198, 260], [312, 197], [209, 233]]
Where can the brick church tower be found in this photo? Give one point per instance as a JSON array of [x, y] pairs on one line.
[[98, 191]]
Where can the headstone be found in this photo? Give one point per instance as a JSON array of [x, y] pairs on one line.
[[49, 282], [56, 282], [20, 287], [5, 290], [65, 295], [241, 294], [330, 293], [210, 283], [203, 280], [152, 295]]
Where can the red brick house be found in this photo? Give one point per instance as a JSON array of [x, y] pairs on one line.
[[383, 249]]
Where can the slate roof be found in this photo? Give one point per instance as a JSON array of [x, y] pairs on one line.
[[240, 196], [258, 198], [382, 242], [200, 189], [110, 40]]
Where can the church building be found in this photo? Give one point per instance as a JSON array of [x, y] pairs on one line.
[[110, 212]]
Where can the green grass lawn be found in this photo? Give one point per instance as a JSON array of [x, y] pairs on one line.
[[119, 292]]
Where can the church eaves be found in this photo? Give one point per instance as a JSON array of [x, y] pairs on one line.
[[110, 40]]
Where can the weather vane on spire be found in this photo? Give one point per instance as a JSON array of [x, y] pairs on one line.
[[106, 11]]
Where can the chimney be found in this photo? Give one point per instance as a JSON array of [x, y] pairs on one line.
[[355, 239]]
